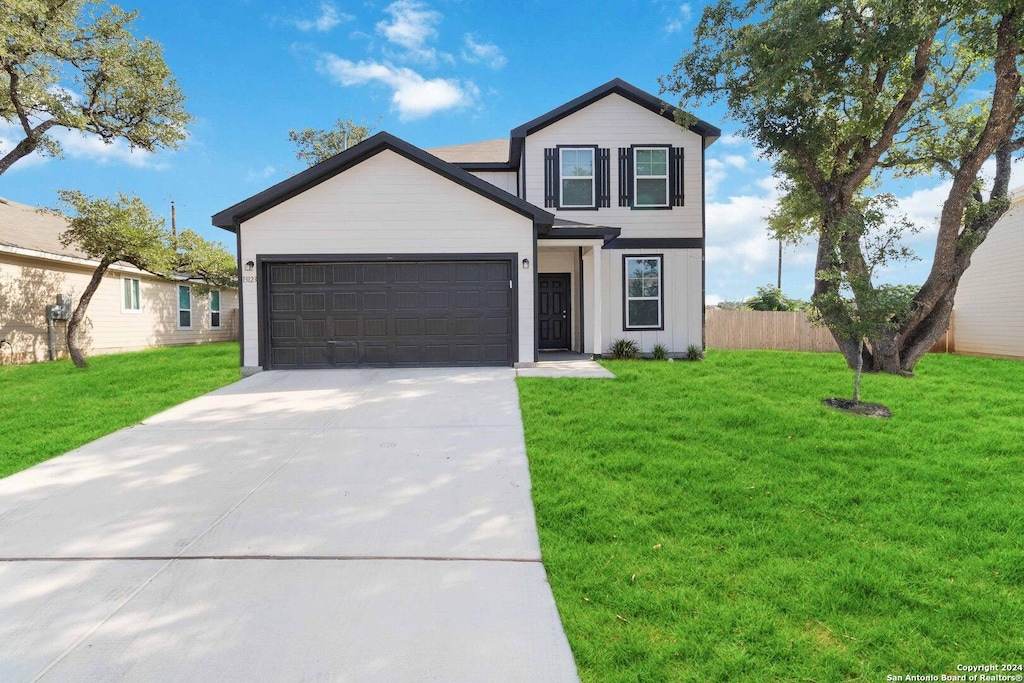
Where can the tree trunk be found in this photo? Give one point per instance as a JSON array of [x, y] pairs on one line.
[[886, 353], [77, 357], [28, 145], [857, 371]]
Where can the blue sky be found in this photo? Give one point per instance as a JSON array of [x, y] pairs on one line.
[[435, 73]]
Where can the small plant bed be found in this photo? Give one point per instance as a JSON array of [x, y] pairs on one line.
[[715, 522], [858, 407], [47, 409]]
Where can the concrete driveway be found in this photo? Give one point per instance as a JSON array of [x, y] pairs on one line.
[[318, 525]]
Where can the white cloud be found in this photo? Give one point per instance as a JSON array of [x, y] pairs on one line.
[[411, 26], [413, 96], [488, 53], [328, 18], [677, 22], [261, 174], [712, 299]]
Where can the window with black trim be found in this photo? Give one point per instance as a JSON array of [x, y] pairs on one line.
[[651, 177], [643, 302], [215, 309], [184, 307], [577, 177]]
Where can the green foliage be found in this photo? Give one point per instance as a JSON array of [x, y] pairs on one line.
[[771, 298], [624, 349], [50, 408], [694, 352], [111, 230], [314, 145], [77, 65], [659, 352], [208, 261], [715, 521]]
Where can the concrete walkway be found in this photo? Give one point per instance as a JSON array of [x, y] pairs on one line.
[[318, 525]]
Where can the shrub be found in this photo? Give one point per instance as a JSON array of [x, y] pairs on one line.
[[659, 352], [694, 352], [624, 349]]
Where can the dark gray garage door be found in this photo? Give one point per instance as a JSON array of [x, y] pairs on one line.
[[390, 314]]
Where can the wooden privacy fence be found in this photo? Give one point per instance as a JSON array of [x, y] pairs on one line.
[[778, 330]]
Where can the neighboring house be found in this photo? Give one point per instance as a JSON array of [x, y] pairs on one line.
[[131, 309], [989, 307], [586, 226]]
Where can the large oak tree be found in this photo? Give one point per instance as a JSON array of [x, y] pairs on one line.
[[838, 93], [76, 65]]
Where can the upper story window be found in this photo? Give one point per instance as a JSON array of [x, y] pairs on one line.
[[576, 177], [651, 176], [131, 301]]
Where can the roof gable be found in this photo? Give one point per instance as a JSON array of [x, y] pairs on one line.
[[619, 87], [232, 217]]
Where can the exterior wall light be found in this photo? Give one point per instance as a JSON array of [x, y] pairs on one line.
[[249, 265], [526, 264]]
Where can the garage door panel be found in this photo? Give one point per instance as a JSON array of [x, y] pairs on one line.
[[407, 301], [375, 301], [375, 327], [385, 314], [314, 303], [314, 275]]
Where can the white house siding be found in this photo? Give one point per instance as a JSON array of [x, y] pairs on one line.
[[565, 260], [684, 313], [29, 285], [989, 306], [615, 122], [503, 180], [388, 205]]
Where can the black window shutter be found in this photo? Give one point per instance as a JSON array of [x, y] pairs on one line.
[[675, 176], [550, 177], [603, 179], [625, 176]]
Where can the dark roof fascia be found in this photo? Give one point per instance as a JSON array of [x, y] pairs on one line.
[[615, 86], [484, 165], [231, 218], [600, 232]]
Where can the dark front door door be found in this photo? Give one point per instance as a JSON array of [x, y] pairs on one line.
[[553, 300]]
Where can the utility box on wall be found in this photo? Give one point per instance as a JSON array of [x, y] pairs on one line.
[[62, 309]]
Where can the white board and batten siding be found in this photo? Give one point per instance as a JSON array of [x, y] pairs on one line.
[[613, 122], [684, 308], [388, 204], [989, 306], [503, 180]]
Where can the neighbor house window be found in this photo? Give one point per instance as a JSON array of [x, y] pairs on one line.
[[184, 306], [577, 177], [643, 293], [651, 176], [130, 301], [215, 309]]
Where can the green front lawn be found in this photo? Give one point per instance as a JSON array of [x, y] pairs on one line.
[[49, 408], [713, 521]]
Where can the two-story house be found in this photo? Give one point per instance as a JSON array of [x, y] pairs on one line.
[[585, 226]]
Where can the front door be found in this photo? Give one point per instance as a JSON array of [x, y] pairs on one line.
[[553, 302]]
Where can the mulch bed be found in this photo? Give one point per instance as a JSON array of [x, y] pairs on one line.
[[858, 407]]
